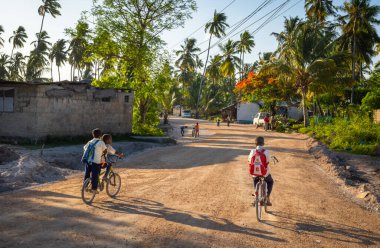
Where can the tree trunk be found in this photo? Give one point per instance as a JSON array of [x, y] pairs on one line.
[[142, 110], [166, 115], [353, 70], [13, 48], [42, 24], [305, 114], [51, 70], [319, 107], [71, 73], [59, 74], [203, 78]]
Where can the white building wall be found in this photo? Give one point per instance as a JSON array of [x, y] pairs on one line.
[[246, 111]]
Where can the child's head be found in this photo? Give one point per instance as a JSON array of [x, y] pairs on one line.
[[107, 139], [259, 141], [96, 133]]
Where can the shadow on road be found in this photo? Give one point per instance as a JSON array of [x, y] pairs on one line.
[[158, 210], [322, 228]]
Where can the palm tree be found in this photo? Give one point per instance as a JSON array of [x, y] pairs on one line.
[[213, 70], [4, 63], [246, 44], [359, 34], [48, 7], [216, 27], [1, 39], [17, 67], [230, 61], [308, 59], [78, 47], [58, 53], [318, 10], [38, 61], [286, 37], [18, 39]]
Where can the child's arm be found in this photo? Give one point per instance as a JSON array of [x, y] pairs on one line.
[[250, 156]]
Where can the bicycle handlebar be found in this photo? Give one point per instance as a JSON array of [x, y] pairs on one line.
[[274, 159]]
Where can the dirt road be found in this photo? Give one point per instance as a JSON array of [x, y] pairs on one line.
[[195, 194]]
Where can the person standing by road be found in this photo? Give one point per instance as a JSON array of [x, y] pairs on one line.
[[196, 130], [228, 121], [266, 122], [218, 122]]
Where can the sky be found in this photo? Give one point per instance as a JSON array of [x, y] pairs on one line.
[[24, 12]]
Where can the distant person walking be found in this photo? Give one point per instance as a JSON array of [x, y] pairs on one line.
[[228, 121], [218, 122], [266, 122], [196, 127]]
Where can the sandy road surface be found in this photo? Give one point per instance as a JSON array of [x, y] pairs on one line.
[[196, 194]]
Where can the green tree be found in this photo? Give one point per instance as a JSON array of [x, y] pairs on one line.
[[359, 34], [18, 39], [48, 7], [245, 45], [17, 67], [38, 58], [318, 10], [4, 63], [136, 27], [58, 53], [78, 48], [1, 39], [216, 27], [307, 59], [230, 61]]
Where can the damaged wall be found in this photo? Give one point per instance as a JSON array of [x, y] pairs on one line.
[[66, 110]]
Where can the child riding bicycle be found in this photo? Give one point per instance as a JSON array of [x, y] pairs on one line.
[[258, 160], [107, 139], [92, 156]]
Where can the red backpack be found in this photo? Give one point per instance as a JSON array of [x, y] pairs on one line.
[[258, 165]]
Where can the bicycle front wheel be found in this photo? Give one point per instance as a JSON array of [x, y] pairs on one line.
[[113, 184], [87, 194]]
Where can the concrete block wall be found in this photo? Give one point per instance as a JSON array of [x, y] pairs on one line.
[[63, 112]]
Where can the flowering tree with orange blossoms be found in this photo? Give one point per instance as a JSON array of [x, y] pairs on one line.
[[266, 88]]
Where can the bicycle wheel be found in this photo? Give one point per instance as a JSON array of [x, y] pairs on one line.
[[258, 199], [113, 184], [264, 194], [87, 194]]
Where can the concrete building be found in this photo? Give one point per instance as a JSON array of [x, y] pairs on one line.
[[36, 110]]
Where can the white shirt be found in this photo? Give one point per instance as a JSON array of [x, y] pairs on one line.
[[99, 149], [110, 150], [266, 153]]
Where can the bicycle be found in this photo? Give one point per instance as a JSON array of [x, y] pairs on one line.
[[261, 194], [112, 183]]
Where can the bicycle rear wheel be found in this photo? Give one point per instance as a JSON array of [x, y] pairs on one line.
[[113, 184], [87, 194], [258, 199]]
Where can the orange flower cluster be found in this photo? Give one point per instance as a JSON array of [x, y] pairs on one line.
[[243, 84]]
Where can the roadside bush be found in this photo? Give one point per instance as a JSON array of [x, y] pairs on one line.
[[357, 135]]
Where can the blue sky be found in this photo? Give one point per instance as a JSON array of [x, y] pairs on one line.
[[24, 12]]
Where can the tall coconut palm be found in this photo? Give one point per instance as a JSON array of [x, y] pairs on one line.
[[17, 67], [307, 60], [246, 43], [213, 69], [48, 7], [286, 37], [216, 27], [318, 10], [1, 39], [58, 53], [359, 34], [230, 61], [38, 58], [78, 47], [187, 60], [18, 38], [4, 63]]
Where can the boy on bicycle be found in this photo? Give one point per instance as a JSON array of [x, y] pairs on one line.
[[107, 139], [261, 155], [93, 163]]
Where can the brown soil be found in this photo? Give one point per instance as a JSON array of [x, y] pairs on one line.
[[196, 194]]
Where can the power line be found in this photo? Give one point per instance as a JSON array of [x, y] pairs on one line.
[[201, 26], [268, 20]]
